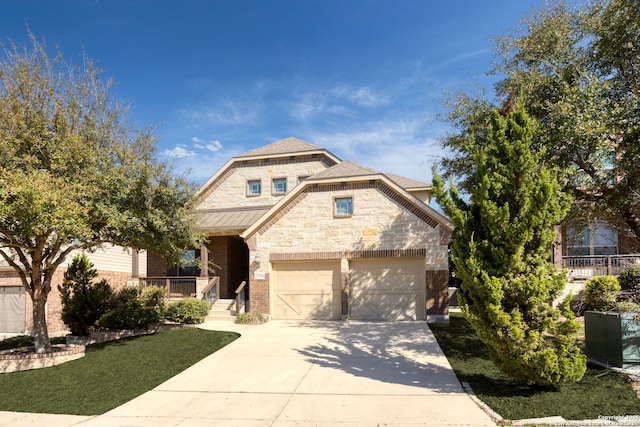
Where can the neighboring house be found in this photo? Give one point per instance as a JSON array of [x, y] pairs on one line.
[[113, 263], [318, 238], [595, 249]]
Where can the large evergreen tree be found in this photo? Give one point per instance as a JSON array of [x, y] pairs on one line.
[[501, 249]]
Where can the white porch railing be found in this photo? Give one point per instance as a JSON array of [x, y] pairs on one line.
[[585, 267]]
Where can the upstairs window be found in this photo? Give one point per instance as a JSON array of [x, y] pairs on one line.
[[254, 187], [343, 206], [279, 185], [598, 238]]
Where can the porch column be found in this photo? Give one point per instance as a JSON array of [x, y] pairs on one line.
[[204, 259], [135, 261]]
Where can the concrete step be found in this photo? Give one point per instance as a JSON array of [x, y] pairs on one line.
[[223, 309]]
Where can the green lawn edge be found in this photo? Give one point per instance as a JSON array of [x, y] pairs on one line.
[[110, 374], [601, 392]]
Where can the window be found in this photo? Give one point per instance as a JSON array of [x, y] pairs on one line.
[[598, 238], [187, 265], [254, 187], [302, 178], [343, 206], [279, 185]]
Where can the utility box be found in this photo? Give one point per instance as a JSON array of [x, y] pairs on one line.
[[613, 339]]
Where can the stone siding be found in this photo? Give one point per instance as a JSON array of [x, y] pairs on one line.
[[377, 223], [231, 191], [380, 227]]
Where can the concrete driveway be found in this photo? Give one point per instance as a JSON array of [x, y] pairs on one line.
[[286, 374]]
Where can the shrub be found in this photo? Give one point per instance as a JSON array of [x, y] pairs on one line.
[[125, 312], [153, 304], [600, 293], [83, 302], [188, 310], [626, 307], [251, 318], [132, 309], [629, 278]]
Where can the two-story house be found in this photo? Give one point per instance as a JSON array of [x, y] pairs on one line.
[[318, 238]]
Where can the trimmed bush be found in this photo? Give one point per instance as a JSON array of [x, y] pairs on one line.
[[601, 293], [132, 309], [152, 298], [83, 302], [188, 310], [629, 278], [251, 318]]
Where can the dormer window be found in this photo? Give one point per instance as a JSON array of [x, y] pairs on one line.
[[254, 187], [279, 186]]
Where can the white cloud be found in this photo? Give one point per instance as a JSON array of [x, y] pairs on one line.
[[402, 147], [361, 96], [178, 152], [214, 146]]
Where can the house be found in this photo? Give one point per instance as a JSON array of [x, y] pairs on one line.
[[593, 249], [116, 264], [315, 237]]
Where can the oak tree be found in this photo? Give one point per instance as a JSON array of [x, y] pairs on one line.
[[76, 173]]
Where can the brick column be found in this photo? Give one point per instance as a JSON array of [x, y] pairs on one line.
[[437, 296]]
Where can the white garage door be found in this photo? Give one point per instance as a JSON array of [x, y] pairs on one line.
[[387, 289], [12, 315], [306, 290]]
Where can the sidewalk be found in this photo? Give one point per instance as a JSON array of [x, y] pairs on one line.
[[312, 373]]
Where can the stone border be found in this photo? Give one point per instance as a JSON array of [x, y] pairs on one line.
[[25, 358], [96, 337]]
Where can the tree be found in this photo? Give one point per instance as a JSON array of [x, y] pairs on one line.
[[580, 69], [83, 301], [501, 249], [75, 173]]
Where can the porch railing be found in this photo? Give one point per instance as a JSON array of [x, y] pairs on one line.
[[176, 287], [585, 267], [241, 298], [211, 292]]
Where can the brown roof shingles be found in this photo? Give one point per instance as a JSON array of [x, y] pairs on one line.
[[284, 146]]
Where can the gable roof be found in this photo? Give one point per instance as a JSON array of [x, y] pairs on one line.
[[346, 169], [350, 172], [287, 146], [408, 183]]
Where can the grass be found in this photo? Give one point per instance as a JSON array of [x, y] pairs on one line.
[[600, 392], [110, 374]]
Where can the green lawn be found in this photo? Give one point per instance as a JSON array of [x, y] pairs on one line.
[[600, 392], [110, 374]]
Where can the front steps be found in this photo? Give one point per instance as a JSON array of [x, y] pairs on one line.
[[223, 309]]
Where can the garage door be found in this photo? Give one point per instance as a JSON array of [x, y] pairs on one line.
[[387, 289], [306, 290], [12, 316]]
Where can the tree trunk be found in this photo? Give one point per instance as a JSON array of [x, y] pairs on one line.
[[40, 330]]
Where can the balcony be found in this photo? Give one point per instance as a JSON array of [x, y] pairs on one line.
[[585, 267]]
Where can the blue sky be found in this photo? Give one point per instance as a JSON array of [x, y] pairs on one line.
[[362, 78]]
